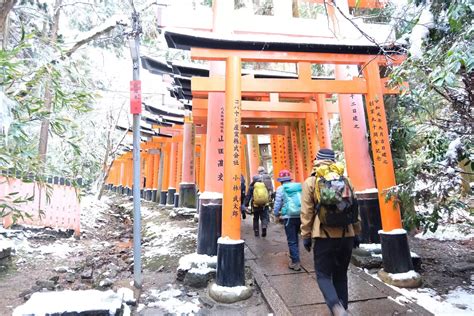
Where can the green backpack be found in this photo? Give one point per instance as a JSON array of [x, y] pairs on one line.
[[337, 205]]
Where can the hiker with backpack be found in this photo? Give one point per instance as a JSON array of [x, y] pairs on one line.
[[288, 206], [329, 220], [260, 190]]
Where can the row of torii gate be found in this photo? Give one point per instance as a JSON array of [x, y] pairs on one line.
[[217, 142]]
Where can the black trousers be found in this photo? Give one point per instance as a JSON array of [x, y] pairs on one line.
[[260, 214], [331, 261]]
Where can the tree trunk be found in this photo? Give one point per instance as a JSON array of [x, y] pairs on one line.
[[48, 96], [296, 11], [5, 8]]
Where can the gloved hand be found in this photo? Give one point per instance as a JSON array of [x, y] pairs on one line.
[[307, 243], [356, 241]]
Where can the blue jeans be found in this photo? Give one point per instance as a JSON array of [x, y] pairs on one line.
[[331, 261], [292, 229]]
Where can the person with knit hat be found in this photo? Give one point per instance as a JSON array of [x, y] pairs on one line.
[[260, 210], [332, 244], [287, 206]]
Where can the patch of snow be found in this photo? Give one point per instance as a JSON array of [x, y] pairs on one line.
[[211, 196], [201, 270], [92, 209], [170, 302], [376, 255], [237, 290], [420, 31], [228, 241], [449, 232], [404, 276], [126, 294], [57, 249], [47, 303], [452, 152], [186, 262], [366, 191], [398, 231], [457, 302], [6, 117], [5, 244], [370, 247], [165, 237]]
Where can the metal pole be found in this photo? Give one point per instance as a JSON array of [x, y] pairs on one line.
[[137, 261]]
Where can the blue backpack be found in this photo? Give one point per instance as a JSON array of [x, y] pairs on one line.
[[292, 194]]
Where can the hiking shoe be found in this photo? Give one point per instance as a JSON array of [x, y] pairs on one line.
[[256, 233], [264, 232], [338, 310], [294, 266]]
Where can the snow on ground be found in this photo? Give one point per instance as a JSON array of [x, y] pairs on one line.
[[449, 232], [172, 300], [46, 303], [92, 209], [457, 302], [164, 238]]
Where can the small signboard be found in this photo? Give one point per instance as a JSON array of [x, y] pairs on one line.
[[135, 97]]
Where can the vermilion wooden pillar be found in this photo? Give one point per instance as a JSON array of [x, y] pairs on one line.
[[156, 171], [354, 131], [129, 172], [312, 135], [243, 159], [381, 152], [173, 173], [202, 164], [395, 250], [298, 162], [210, 202], [276, 161], [254, 156], [230, 252], [289, 151], [166, 151], [179, 165], [323, 123], [187, 191], [304, 148]]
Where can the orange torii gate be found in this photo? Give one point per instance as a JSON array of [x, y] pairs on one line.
[[236, 87], [371, 86]]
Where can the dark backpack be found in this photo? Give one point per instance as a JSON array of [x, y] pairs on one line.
[[337, 206]]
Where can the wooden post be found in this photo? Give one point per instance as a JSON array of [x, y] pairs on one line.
[[323, 123], [381, 151], [276, 160], [254, 157], [297, 161], [232, 170], [354, 131]]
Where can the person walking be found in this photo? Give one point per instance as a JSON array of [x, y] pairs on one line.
[[288, 207], [259, 192], [242, 197], [329, 219]]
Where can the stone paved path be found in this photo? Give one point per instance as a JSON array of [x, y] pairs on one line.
[[297, 293]]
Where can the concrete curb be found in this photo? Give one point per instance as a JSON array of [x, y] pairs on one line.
[[273, 299]]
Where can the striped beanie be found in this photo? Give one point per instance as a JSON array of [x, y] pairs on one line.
[[325, 154]]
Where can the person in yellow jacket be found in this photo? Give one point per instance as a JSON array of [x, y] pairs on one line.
[[332, 245]]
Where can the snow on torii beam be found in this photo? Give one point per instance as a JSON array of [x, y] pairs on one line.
[[294, 57]]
